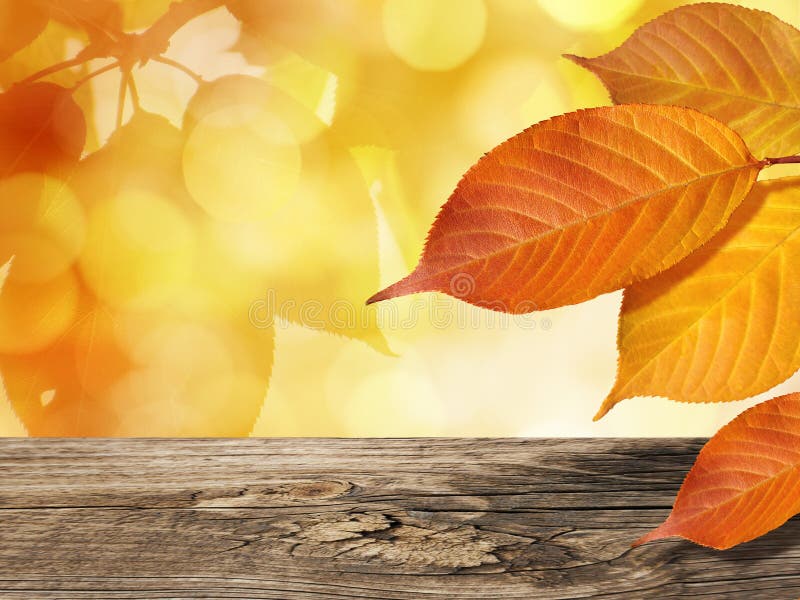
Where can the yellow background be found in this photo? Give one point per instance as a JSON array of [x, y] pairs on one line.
[[413, 92]]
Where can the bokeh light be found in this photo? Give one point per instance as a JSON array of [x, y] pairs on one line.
[[203, 269], [590, 15], [34, 315], [241, 164], [434, 36], [139, 250], [42, 226]]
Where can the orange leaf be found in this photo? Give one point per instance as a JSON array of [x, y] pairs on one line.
[[20, 23], [720, 325], [62, 389], [101, 19], [583, 204], [41, 129], [744, 482], [739, 65], [76, 357]]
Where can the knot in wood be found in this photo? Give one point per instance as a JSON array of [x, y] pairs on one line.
[[319, 490]]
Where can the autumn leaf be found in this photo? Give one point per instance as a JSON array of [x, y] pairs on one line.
[[245, 165], [265, 14], [739, 65], [41, 129], [144, 154], [201, 366], [42, 226], [60, 388], [101, 19], [310, 28], [744, 481], [251, 96], [20, 23], [583, 204], [381, 175], [133, 178], [128, 307], [34, 314], [141, 13], [47, 49], [192, 376], [106, 371], [720, 325], [125, 326], [10, 423]]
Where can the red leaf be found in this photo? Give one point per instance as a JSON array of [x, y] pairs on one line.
[[745, 481], [583, 204]]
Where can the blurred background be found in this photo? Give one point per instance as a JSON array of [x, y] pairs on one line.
[[203, 270]]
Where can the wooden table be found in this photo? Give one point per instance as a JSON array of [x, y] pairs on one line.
[[346, 519]]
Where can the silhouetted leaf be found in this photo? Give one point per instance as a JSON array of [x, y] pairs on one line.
[[41, 129]]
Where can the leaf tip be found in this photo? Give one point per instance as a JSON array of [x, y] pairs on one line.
[[661, 532], [609, 403], [578, 60], [407, 285], [375, 339], [384, 294], [648, 537], [374, 298]]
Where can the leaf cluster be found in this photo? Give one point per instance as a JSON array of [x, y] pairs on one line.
[[133, 261], [658, 195]]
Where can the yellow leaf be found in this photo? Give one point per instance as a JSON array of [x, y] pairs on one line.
[[736, 64], [10, 424], [141, 13], [311, 85], [721, 325], [312, 252], [381, 175]]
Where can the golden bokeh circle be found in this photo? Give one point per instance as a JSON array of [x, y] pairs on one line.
[[241, 164], [434, 35]]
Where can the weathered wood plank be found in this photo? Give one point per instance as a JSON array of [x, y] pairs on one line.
[[346, 519]]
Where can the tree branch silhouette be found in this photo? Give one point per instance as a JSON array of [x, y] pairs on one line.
[[130, 49]]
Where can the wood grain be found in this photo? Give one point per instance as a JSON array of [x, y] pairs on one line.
[[347, 519]]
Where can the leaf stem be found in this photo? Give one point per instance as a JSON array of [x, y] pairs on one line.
[[123, 91], [134, 93], [180, 67], [67, 64], [151, 43], [94, 74], [783, 160]]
